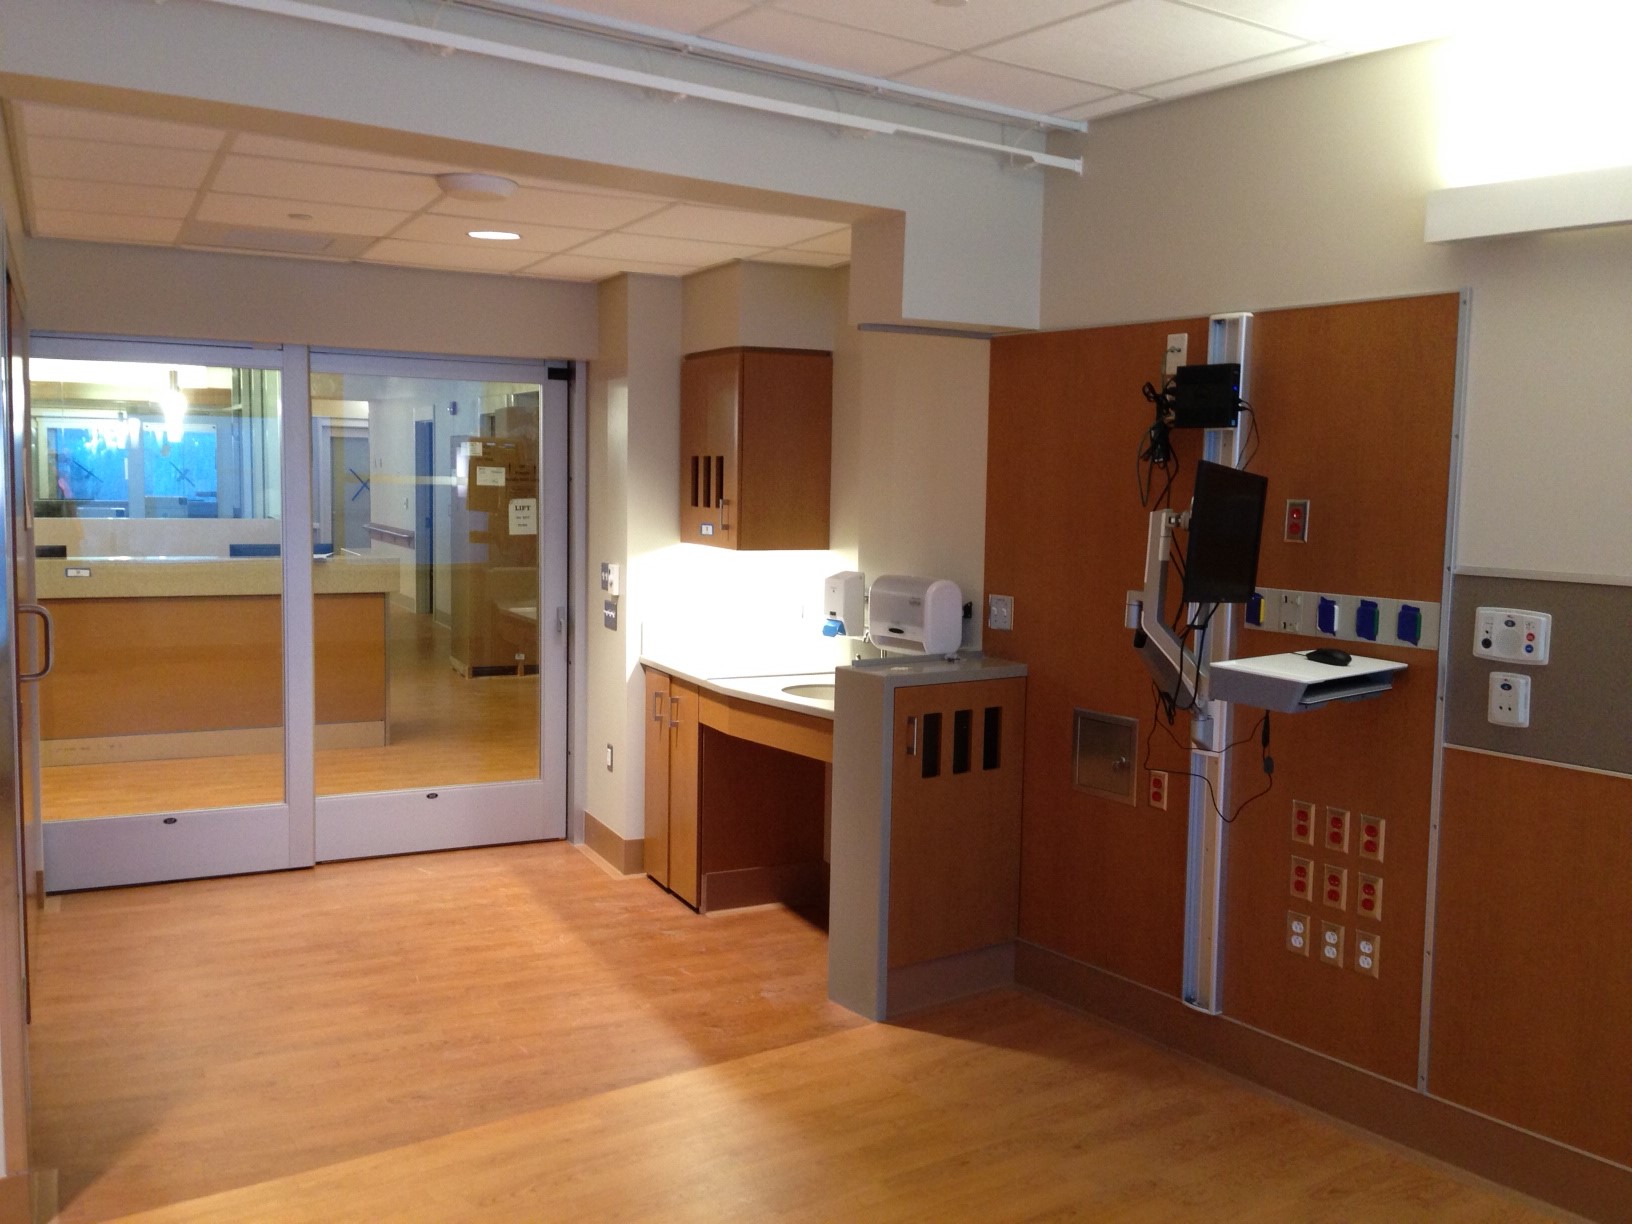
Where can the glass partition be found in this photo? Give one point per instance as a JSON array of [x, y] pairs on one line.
[[157, 503]]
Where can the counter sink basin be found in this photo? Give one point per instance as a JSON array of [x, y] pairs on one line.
[[815, 692]]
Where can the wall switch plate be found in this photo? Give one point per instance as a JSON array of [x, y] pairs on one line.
[[1000, 611], [1368, 952], [1297, 933], [1331, 944], [1297, 521], [1509, 704], [1512, 635]]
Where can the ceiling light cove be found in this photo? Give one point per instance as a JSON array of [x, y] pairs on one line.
[[495, 235]]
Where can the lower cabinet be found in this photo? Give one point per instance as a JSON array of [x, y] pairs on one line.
[[671, 784]]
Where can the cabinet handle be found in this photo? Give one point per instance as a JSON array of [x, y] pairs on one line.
[[912, 726], [657, 707], [674, 711], [50, 640]]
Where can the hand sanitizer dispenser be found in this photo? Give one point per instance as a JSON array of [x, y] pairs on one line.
[[842, 604]]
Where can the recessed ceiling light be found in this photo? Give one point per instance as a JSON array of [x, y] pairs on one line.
[[494, 235]]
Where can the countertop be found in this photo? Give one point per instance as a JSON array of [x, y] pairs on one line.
[[766, 689], [161, 577]]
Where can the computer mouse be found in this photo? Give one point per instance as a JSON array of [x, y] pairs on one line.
[[1329, 654]]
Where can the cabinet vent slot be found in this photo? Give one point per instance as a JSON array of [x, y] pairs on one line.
[[694, 477], [708, 482], [991, 740], [719, 477], [962, 725], [931, 753]]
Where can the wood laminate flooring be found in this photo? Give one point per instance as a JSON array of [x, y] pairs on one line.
[[514, 1034]]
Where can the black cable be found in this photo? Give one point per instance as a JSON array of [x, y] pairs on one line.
[[1253, 436], [1260, 728]]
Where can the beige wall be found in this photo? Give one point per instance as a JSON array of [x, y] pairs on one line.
[[1310, 188], [155, 291], [759, 305]]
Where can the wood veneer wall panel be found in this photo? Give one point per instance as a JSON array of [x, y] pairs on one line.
[[1101, 882], [1355, 407], [1533, 949], [786, 443]]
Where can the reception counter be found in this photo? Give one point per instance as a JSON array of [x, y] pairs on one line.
[[182, 657]]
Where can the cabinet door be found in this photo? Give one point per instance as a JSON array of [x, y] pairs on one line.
[[683, 776], [710, 392], [657, 776], [955, 818], [785, 440]]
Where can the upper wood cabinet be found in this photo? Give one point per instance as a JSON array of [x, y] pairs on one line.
[[756, 444]]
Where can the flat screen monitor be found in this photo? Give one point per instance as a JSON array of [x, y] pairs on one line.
[[1226, 523]]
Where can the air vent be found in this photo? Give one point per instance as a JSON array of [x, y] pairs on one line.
[[289, 242]]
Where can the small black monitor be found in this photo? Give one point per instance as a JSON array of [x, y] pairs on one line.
[[1226, 523], [1206, 396]]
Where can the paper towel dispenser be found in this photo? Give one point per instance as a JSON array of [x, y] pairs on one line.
[[915, 615]]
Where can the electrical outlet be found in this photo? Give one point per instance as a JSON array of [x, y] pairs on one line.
[[1336, 838], [1372, 829], [1158, 789], [1368, 952], [1303, 822], [1368, 901], [1290, 618], [1303, 874], [1509, 704], [1331, 944], [1334, 886], [1297, 933], [1297, 521], [1000, 612]]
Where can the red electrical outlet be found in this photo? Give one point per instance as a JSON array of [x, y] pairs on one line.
[[1334, 887], [1297, 521], [1303, 822], [1337, 831], [1303, 878], [1371, 837], [1158, 789], [1369, 900]]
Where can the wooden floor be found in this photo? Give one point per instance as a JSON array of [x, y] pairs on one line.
[[445, 730], [514, 1034]]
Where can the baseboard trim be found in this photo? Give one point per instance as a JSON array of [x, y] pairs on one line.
[[1535, 1166], [626, 856]]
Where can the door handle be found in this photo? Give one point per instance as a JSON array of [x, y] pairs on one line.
[[674, 711], [561, 620], [50, 641], [912, 726], [657, 707]]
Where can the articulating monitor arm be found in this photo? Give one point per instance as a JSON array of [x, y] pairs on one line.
[[1175, 670]]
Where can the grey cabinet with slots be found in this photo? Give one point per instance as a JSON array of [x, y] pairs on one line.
[[927, 761]]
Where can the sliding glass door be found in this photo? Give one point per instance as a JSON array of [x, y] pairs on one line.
[[295, 602]]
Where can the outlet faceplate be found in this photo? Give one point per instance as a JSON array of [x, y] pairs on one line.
[[1297, 933], [1331, 944], [1000, 612], [1158, 789], [1509, 704], [1368, 952]]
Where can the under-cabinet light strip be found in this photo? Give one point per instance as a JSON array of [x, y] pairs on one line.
[[323, 15], [650, 35]]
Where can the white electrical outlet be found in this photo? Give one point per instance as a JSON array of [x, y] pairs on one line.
[[1509, 699], [1000, 612]]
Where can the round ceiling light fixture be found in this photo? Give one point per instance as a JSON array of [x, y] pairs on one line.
[[495, 235], [480, 187]]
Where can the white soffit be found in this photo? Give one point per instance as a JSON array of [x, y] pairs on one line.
[[1563, 201]]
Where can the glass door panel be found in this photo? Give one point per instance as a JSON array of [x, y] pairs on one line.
[[157, 504], [427, 524]]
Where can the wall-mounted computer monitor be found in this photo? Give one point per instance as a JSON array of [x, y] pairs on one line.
[[1226, 524]]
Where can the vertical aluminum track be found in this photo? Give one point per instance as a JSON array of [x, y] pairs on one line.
[[1228, 339]]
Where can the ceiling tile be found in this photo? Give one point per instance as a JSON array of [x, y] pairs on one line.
[[1006, 84], [1246, 70], [729, 225], [1107, 106], [812, 259], [686, 16], [682, 251], [1142, 41], [274, 214], [455, 231], [98, 227], [472, 257], [822, 42], [113, 199], [957, 28], [101, 162], [251, 144], [584, 268], [532, 207], [1368, 26], [287, 180], [836, 243], [40, 119]]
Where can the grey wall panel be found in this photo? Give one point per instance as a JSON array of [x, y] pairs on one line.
[[1580, 702]]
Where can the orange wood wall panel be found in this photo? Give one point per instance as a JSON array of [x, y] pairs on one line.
[[1354, 407], [786, 449], [1533, 949], [1065, 535]]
